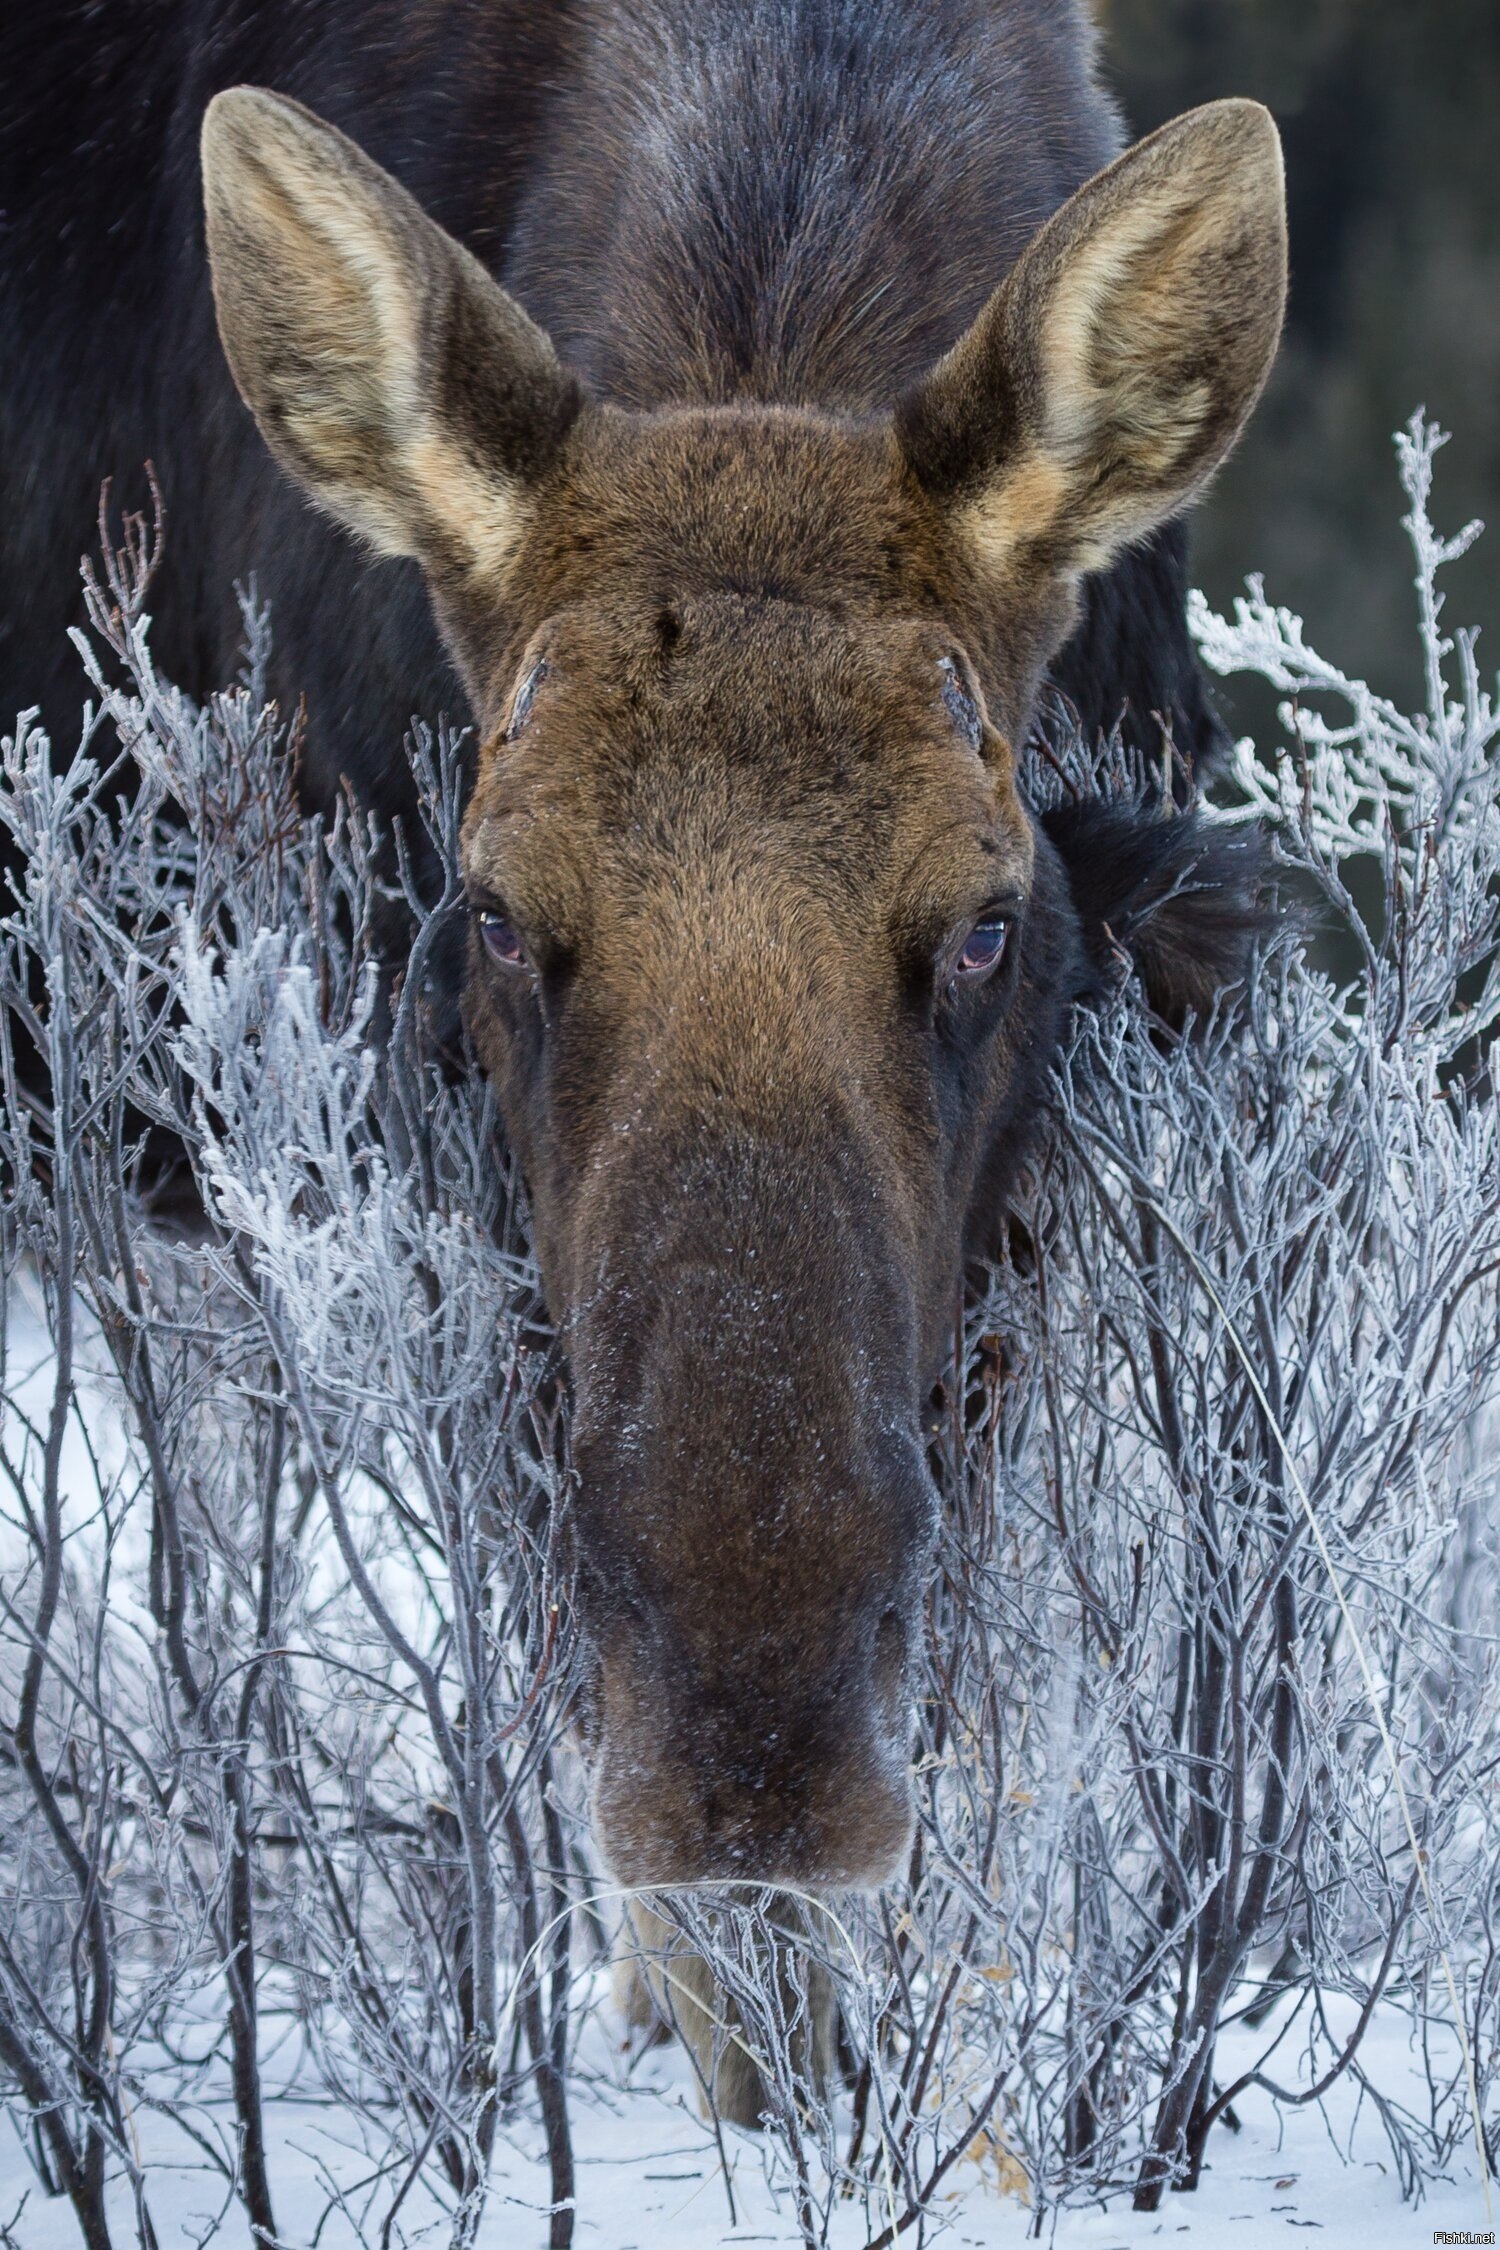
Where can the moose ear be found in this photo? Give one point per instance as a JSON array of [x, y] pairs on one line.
[[387, 371], [1113, 370]]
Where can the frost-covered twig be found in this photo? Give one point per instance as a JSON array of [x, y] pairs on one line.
[[1210, 1729]]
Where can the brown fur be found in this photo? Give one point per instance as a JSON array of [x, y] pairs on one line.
[[759, 785]]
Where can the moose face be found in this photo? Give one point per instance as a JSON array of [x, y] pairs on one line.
[[748, 968], [767, 957]]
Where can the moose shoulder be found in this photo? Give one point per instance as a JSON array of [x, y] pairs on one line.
[[768, 955]]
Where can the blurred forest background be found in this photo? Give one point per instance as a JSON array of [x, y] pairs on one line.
[[1390, 111]]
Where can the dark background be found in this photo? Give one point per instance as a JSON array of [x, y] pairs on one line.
[[1390, 112]]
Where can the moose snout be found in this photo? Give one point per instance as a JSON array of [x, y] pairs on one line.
[[762, 1778], [754, 1517]]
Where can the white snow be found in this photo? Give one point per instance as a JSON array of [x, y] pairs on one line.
[[649, 2178]]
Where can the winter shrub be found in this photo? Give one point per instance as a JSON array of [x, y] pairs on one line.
[[286, 1789]]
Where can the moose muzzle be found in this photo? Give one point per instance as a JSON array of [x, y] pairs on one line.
[[755, 1520]]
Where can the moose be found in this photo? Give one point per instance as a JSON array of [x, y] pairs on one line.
[[799, 394]]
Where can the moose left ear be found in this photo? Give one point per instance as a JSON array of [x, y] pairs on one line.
[[1107, 378]]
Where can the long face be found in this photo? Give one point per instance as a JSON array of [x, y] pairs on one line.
[[761, 960], [767, 957]]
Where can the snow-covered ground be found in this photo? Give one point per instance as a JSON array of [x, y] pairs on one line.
[[650, 2179]]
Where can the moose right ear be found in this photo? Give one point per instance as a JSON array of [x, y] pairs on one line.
[[387, 371]]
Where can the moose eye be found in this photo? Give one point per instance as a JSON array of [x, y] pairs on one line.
[[501, 939], [982, 948]]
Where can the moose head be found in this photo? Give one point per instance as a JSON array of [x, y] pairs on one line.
[[768, 956]]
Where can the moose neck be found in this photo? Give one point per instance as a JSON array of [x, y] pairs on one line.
[[798, 201]]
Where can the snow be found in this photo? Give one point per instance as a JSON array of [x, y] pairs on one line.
[[649, 2178]]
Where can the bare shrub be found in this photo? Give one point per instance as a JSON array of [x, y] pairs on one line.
[[285, 1657]]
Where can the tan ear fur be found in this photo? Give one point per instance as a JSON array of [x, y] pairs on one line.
[[388, 373], [1111, 373]]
